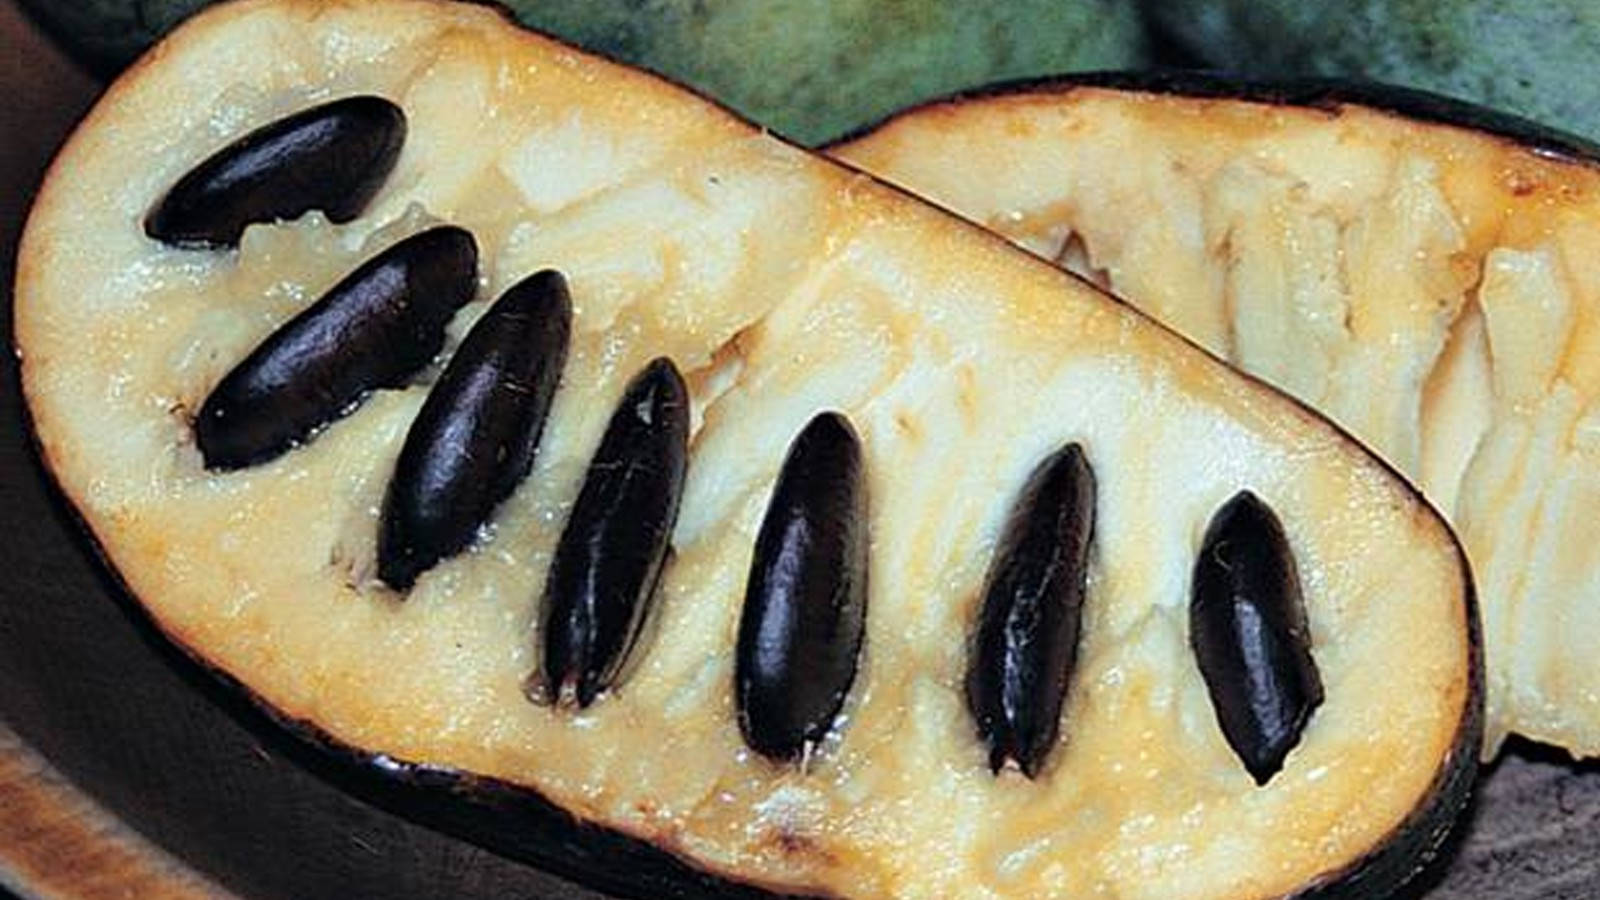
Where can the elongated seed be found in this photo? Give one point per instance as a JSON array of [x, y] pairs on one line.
[[333, 157], [806, 600], [378, 326], [475, 438], [1027, 637], [1247, 625], [612, 549]]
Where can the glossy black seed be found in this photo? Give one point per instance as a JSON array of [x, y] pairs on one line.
[[375, 328], [1028, 626], [474, 440], [1247, 625], [806, 600], [333, 157], [611, 552]]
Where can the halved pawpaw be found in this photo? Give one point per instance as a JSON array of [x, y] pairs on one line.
[[1427, 274], [747, 507]]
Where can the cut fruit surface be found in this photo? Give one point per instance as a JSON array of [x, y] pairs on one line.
[[787, 290], [1433, 288]]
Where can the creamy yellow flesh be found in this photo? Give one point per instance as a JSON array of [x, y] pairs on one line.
[[782, 285], [1434, 290]]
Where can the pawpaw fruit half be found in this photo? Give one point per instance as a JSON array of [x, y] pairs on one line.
[[1422, 270], [565, 437]]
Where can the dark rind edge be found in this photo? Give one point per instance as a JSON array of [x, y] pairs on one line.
[[517, 822], [1321, 94], [1412, 846]]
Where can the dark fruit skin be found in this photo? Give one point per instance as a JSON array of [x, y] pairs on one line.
[[1247, 626], [1332, 93], [333, 157], [375, 328], [475, 438], [1308, 93], [612, 551], [1027, 636], [806, 600]]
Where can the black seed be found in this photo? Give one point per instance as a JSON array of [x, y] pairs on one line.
[[474, 440], [806, 601], [1247, 625], [611, 552], [332, 157], [375, 328], [1027, 637]]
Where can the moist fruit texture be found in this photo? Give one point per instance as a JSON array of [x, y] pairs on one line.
[[780, 696], [1434, 289]]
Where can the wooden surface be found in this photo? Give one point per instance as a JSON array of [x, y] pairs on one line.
[[55, 842], [93, 705]]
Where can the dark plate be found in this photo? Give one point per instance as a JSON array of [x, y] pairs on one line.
[[92, 692]]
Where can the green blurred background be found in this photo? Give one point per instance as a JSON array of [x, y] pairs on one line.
[[815, 69]]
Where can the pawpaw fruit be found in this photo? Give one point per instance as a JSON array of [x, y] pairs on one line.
[[883, 587]]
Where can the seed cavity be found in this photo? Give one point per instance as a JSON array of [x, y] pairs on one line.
[[476, 436], [806, 599], [333, 157], [378, 326], [611, 553], [1028, 626], [1247, 626]]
